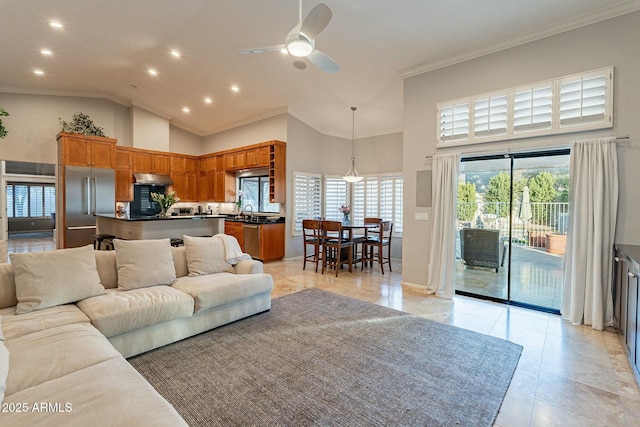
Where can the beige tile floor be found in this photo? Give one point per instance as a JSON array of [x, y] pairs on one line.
[[567, 376]]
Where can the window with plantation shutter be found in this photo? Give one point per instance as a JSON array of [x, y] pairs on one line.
[[379, 196], [490, 116], [454, 122], [307, 199], [566, 104], [533, 108], [584, 100], [336, 194]]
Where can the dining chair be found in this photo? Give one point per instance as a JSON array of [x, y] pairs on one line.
[[332, 245], [312, 236], [379, 241]]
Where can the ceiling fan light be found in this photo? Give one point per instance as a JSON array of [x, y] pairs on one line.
[[299, 48]]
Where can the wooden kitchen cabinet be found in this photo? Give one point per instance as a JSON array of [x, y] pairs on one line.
[[271, 242], [627, 301], [184, 173], [235, 229], [183, 164], [83, 150], [124, 185], [277, 172], [145, 162], [257, 157]]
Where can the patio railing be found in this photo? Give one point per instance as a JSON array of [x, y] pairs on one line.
[[531, 222]]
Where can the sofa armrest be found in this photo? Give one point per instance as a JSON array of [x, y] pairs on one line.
[[248, 267]]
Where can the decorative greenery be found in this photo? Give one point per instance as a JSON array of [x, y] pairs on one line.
[[542, 189], [165, 200], [467, 204], [81, 123], [239, 202], [499, 192], [3, 130]]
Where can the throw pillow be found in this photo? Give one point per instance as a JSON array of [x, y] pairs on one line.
[[50, 278], [144, 263], [205, 255]]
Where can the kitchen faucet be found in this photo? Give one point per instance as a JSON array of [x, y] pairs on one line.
[[246, 207]]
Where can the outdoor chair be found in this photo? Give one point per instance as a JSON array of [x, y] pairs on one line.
[[482, 248]]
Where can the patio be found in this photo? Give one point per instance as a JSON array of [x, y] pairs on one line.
[[536, 278]]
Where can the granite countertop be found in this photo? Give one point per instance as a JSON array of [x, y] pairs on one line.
[[155, 218], [255, 219]]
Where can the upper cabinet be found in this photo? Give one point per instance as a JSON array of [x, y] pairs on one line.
[[82, 150], [257, 157], [147, 162], [124, 174], [184, 173]]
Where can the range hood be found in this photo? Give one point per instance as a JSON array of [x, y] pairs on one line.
[[152, 179]]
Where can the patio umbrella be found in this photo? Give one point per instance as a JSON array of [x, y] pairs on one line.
[[525, 206]]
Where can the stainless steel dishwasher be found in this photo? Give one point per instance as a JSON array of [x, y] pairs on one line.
[[251, 236]]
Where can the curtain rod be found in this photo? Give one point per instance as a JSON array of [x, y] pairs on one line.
[[618, 138]]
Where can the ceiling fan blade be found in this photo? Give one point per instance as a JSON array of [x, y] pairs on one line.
[[316, 21], [275, 48], [323, 62]]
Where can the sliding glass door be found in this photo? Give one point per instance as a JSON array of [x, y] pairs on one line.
[[512, 224]]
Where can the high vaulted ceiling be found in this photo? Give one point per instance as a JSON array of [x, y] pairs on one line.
[[107, 46]]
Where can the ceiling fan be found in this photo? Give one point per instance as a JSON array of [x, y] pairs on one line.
[[301, 40]]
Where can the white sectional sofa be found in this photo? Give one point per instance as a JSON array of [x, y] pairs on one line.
[[68, 319]]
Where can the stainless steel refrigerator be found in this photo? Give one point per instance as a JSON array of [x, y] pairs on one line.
[[88, 192]]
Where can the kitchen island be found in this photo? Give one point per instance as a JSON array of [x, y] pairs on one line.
[[138, 228]]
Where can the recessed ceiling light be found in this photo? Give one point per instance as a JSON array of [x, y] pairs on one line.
[[186, 109], [153, 71], [175, 53], [235, 88], [56, 24], [208, 100], [46, 52], [38, 72]]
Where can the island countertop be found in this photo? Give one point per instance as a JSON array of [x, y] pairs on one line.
[[157, 218], [159, 228]]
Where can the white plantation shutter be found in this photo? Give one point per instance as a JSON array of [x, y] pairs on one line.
[[490, 116], [454, 122], [533, 108], [379, 196], [566, 104], [584, 100], [307, 199], [336, 194]]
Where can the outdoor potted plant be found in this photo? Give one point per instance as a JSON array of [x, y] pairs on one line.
[[556, 243]]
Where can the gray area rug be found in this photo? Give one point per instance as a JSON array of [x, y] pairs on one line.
[[318, 358]]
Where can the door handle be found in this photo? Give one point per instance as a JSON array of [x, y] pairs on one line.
[[82, 227], [88, 187], [632, 275]]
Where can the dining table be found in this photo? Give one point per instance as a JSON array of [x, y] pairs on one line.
[[349, 228]]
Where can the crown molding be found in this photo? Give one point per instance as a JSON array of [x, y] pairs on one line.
[[544, 32]]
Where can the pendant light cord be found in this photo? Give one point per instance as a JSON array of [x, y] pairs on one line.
[[353, 136]]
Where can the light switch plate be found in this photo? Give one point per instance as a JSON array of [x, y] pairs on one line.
[[422, 216]]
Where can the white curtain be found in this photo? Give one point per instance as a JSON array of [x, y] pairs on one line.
[[593, 203], [443, 240]]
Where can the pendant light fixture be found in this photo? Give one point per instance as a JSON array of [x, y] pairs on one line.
[[352, 173]]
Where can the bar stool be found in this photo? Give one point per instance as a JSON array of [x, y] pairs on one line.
[[100, 238], [175, 242], [311, 236]]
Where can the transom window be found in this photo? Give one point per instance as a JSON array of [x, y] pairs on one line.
[[566, 104]]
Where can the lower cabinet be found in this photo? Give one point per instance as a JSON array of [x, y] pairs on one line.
[[235, 229], [270, 245], [627, 310]]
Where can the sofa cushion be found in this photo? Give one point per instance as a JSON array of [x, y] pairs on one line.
[[107, 268], [205, 255], [50, 278], [4, 364], [143, 263], [119, 312], [180, 260], [18, 325], [7, 286], [223, 288], [53, 353], [110, 393]]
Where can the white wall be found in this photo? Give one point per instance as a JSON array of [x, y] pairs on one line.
[[273, 128], [33, 123], [149, 130], [602, 44], [184, 142]]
